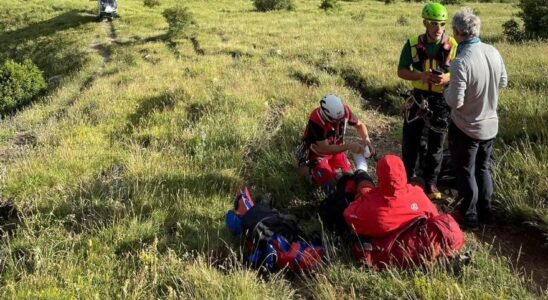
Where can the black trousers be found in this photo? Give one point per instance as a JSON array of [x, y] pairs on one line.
[[473, 171], [429, 148]]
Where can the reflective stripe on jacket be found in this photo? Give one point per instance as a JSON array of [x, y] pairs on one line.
[[441, 60]]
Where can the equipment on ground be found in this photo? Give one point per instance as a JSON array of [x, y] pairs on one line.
[[273, 240]]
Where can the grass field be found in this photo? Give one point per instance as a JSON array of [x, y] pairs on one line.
[[123, 172]]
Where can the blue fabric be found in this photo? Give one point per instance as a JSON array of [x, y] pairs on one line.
[[234, 223], [466, 43]]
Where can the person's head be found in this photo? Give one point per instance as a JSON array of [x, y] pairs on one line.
[[391, 174], [332, 108], [466, 25], [434, 19]]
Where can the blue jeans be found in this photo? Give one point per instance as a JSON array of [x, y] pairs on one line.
[[472, 165]]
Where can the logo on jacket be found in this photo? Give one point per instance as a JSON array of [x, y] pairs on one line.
[[414, 206]]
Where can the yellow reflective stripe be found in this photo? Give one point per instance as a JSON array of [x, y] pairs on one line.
[[419, 85], [413, 41], [454, 43]]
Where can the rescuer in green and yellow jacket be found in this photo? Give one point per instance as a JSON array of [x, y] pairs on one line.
[[425, 61]]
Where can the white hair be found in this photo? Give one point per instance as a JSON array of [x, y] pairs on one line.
[[467, 23]]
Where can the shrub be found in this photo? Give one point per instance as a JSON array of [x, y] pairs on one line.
[[180, 20], [534, 14], [330, 5], [19, 84], [403, 20], [512, 31], [389, 1], [151, 3], [267, 5], [451, 2]]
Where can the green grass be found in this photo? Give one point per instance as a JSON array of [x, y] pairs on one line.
[[137, 159]]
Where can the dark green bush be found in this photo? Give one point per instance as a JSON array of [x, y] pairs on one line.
[[267, 5], [451, 2], [180, 20], [151, 3], [534, 14], [512, 31], [330, 5], [19, 84]]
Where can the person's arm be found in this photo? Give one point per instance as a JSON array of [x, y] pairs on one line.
[[414, 75], [364, 135], [454, 93], [504, 76], [323, 147], [405, 66]]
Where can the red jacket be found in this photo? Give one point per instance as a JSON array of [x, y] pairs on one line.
[[393, 204]]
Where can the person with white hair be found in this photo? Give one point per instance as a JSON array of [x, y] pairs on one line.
[[477, 74]]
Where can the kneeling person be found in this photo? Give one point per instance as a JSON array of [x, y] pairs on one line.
[[322, 153]]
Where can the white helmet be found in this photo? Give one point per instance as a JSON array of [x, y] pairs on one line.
[[332, 108]]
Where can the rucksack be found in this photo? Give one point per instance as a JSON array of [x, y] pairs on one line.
[[420, 241], [272, 239]]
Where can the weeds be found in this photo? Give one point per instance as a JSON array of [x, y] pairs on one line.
[[181, 22]]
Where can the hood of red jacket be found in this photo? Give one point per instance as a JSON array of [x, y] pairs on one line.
[[392, 175]]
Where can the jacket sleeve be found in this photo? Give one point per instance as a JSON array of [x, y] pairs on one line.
[[503, 76], [454, 93]]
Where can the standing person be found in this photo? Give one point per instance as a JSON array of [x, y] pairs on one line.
[[476, 76], [322, 154], [425, 60]]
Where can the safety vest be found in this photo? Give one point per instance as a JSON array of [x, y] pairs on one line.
[[441, 60]]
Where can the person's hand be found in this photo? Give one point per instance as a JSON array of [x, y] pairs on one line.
[[368, 143], [441, 79], [426, 77], [356, 148]]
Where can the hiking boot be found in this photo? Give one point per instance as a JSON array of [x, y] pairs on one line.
[[433, 193]]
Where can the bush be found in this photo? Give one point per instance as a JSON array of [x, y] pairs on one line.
[[330, 5], [267, 5], [451, 2], [180, 20], [19, 84], [512, 31], [151, 3], [535, 17], [403, 20]]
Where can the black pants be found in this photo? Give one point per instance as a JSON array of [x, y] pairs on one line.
[[431, 151], [473, 171]]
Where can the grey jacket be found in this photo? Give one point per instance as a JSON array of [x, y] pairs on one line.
[[473, 92]]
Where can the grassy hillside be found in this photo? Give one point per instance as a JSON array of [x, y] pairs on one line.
[[123, 172]]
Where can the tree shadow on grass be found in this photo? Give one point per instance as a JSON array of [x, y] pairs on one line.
[[44, 52]]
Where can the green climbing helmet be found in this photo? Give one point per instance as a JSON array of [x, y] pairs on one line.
[[434, 11]]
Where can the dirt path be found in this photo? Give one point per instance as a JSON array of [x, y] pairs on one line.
[[523, 247], [103, 49]]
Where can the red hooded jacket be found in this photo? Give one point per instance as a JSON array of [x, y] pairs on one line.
[[392, 205]]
